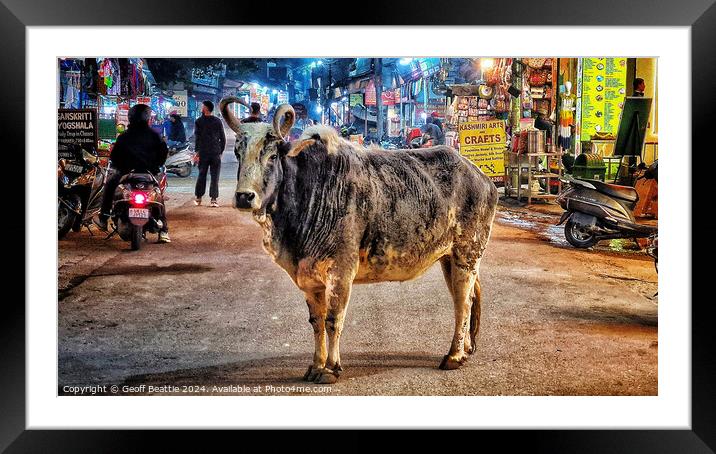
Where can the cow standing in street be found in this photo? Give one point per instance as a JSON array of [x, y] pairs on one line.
[[334, 214]]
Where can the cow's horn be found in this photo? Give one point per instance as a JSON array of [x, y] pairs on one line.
[[285, 112], [228, 115]]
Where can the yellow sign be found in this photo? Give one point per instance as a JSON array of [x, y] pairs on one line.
[[484, 144], [603, 91]]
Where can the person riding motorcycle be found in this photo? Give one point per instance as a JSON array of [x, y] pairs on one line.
[[140, 149], [177, 133], [433, 131]]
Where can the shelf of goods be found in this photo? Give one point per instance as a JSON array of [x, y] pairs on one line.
[[519, 165]]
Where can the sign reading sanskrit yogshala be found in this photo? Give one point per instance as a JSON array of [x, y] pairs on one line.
[[76, 127], [484, 144]]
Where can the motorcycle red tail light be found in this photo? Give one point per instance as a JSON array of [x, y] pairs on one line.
[[139, 198]]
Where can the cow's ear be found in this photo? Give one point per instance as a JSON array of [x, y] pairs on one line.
[[298, 146]]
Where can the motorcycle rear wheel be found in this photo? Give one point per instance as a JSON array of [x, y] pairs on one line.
[[65, 216], [578, 236], [137, 237]]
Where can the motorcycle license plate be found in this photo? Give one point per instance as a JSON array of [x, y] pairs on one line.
[[140, 213]]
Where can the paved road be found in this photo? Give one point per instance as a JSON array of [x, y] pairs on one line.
[[211, 308]]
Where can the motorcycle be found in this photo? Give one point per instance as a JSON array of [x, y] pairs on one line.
[[597, 211], [138, 206], [180, 160], [424, 141], [392, 143], [79, 193]]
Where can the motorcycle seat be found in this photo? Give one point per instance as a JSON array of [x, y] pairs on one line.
[[138, 178], [620, 192]]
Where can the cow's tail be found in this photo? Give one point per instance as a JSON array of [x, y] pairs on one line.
[[476, 295], [475, 310]]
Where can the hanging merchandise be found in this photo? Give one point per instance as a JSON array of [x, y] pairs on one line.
[[110, 80], [535, 63], [537, 78], [566, 117]]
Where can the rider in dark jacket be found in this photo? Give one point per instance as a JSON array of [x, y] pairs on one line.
[[177, 133], [140, 149]]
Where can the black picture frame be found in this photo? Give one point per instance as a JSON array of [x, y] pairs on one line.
[[16, 15]]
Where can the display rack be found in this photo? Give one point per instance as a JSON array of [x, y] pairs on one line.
[[529, 163]]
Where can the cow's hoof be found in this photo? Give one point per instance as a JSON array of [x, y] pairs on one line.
[[311, 373], [326, 377], [451, 363], [322, 375]]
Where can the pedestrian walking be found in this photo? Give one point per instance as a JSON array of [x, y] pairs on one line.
[[210, 143], [254, 115]]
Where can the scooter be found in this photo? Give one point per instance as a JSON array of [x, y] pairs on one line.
[[79, 191], [597, 211], [138, 206], [180, 160]]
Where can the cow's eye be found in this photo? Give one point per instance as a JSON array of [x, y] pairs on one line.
[[272, 158]]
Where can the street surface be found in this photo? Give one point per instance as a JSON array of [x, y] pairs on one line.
[[211, 308]]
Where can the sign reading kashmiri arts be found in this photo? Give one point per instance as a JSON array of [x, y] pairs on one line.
[[484, 144]]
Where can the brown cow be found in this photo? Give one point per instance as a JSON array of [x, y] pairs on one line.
[[334, 214]]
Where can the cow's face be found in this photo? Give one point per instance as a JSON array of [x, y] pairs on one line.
[[259, 149], [259, 153]]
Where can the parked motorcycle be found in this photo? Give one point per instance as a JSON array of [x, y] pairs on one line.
[[79, 192], [180, 160], [424, 141], [596, 211], [138, 206]]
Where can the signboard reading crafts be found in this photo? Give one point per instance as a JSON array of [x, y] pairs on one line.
[[484, 143], [603, 92], [76, 126]]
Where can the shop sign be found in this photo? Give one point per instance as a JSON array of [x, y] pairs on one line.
[[603, 92], [389, 97], [180, 102], [282, 97], [76, 127], [144, 100], [300, 109], [123, 114], [206, 78], [229, 91], [265, 100], [484, 144], [355, 99]]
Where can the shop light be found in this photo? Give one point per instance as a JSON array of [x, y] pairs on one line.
[[274, 91], [319, 62], [405, 61], [487, 63], [424, 116], [319, 109]]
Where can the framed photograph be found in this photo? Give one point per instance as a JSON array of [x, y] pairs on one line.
[[225, 188]]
